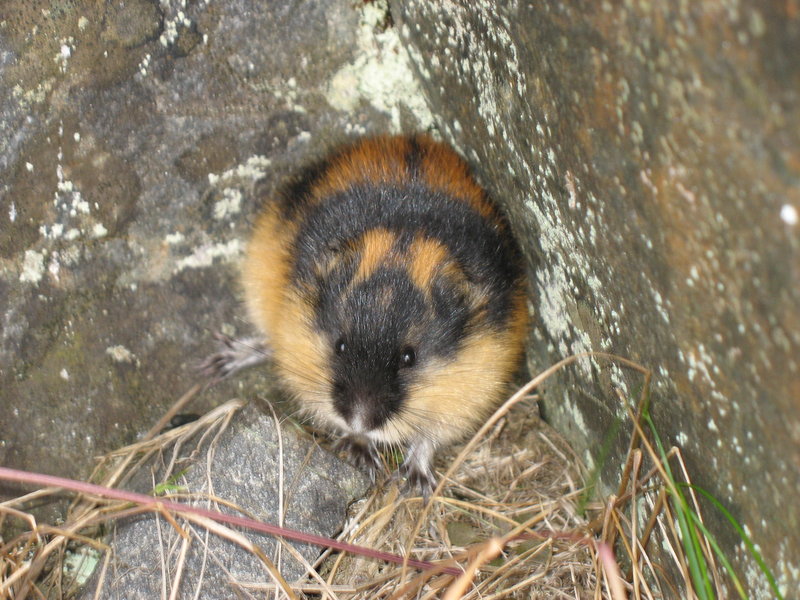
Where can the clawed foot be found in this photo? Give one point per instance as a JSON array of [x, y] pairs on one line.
[[416, 472], [417, 477], [232, 355], [417, 469], [362, 453]]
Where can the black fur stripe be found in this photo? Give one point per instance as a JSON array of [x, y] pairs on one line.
[[487, 256], [296, 194], [414, 157]]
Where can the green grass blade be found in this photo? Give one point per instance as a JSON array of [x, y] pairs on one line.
[[594, 476], [698, 567], [743, 535], [719, 553]]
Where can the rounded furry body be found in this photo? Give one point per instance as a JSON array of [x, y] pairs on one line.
[[391, 296]]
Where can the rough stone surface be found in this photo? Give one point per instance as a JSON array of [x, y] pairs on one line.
[[131, 135], [649, 154], [244, 467]]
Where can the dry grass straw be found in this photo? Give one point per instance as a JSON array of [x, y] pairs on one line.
[[651, 497], [508, 510], [505, 510]]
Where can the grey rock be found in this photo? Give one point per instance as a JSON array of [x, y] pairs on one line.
[[649, 162], [131, 136], [132, 23], [242, 466]]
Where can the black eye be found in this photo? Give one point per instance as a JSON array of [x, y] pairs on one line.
[[340, 346], [408, 357]]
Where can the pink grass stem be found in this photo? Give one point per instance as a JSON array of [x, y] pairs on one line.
[[83, 487]]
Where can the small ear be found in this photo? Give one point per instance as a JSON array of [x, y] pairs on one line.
[[474, 295], [477, 297], [335, 246], [334, 255]]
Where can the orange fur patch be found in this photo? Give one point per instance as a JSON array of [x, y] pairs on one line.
[[375, 248], [519, 321], [446, 171], [377, 160], [382, 160], [265, 271], [425, 258]]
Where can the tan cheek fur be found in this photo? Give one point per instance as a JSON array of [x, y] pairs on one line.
[[451, 397], [285, 319], [302, 358]]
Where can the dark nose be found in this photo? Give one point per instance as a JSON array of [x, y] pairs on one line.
[[362, 408]]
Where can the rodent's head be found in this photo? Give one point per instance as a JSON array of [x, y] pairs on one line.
[[390, 310], [403, 311]]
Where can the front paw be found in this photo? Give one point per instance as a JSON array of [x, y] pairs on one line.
[[232, 355], [417, 477], [362, 453]]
